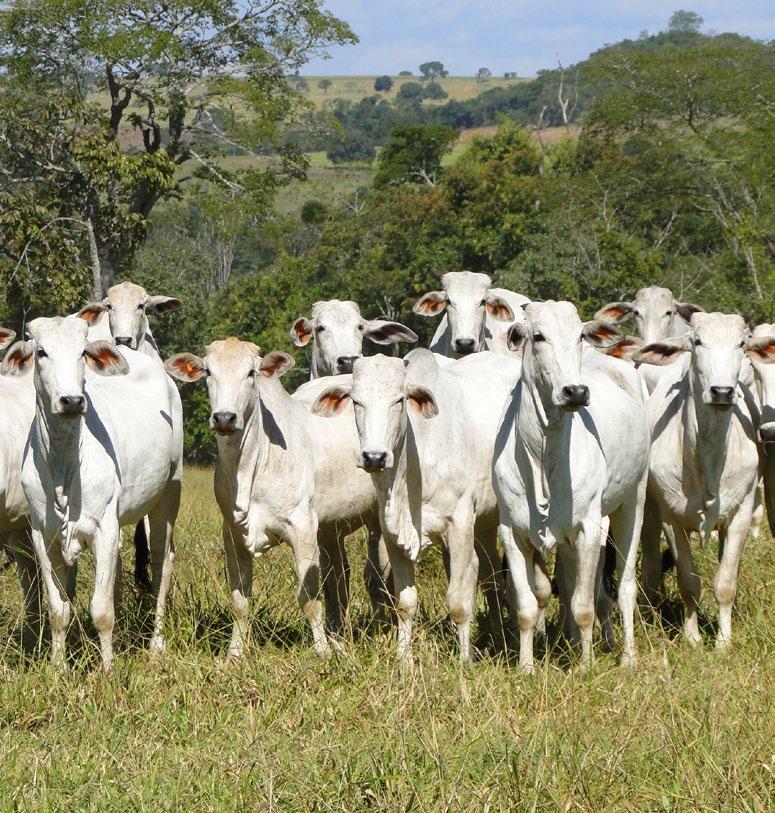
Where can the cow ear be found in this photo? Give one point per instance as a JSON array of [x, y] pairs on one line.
[[104, 358], [7, 336], [600, 333], [381, 332], [761, 349], [431, 304], [301, 332], [19, 359], [159, 304], [422, 401], [91, 312], [499, 309], [185, 367], [615, 312], [515, 336], [275, 363], [686, 309], [664, 352], [623, 349], [331, 401]]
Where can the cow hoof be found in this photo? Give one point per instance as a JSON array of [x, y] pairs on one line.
[[629, 662], [234, 655], [157, 646], [723, 644], [528, 669]]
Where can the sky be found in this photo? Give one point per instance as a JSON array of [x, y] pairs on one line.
[[511, 35]]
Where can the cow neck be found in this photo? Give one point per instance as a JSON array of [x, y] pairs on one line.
[[243, 455], [707, 431]]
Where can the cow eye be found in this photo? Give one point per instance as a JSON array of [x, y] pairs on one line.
[[251, 372], [108, 306], [539, 337], [361, 327], [42, 353], [668, 313], [399, 401], [697, 342], [356, 403], [320, 328], [141, 306], [635, 312], [483, 303]]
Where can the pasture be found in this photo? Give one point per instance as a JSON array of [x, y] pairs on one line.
[[690, 730]]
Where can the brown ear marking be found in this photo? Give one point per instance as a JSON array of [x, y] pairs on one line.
[[18, 360], [599, 332], [185, 367], [422, 401], [91, 312], [431, 304], [615, 311], [6, 337], [105, 358], [761, 349], [498, 308], [331, 402], [301, 331], [275, 363]]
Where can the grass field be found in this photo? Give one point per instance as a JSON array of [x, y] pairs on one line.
[[690, 730]]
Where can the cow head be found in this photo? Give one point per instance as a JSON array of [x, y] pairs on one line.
[[467, 298], [230, 368], [128, 306], [552, 338], [337, 329], [657, 314], [59, 352], [380, 395], [761, 351], [717, 343]]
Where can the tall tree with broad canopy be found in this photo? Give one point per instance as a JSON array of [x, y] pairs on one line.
[[109, 106]]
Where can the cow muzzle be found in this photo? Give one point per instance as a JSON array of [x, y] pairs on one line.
[[72, 406], [722, 397], [344, 364], [465, 345], [374, 461], [224, 423], [574, 396], [125, 341]]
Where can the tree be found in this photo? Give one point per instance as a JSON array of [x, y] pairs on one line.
[[413, 154], [324, 85], [433, 70], [510, 75], [685, 21], [175, 84], [434, 90], [383, 83], [410, 90], [355, 146], [483, 74], [404, 73]]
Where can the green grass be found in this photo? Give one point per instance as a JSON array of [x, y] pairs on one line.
[[282, 731]]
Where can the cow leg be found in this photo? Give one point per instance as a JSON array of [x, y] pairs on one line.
[[542, 587], [725, 583], [491, 580], [519, 553], [105, 545], [20, 543], [461, 591], [603, 601], [142, 554], [376, 572], [161, 522], [583, 601], [336, 579], [239, 566], [55, 575], [403, 570], [688, 584], [306, 555], [626, 530], [651, 560], [757, 516]]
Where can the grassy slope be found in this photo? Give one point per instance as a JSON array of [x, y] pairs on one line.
[[690, 730]]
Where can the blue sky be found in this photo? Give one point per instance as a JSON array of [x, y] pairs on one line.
[[513, 35]]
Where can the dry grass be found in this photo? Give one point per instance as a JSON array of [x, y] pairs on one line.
[[688, 731]]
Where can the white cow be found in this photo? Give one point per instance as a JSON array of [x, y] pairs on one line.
[[17, 394], [432, 477], [469, 304], [704, 460], [337, 330], [764, 376], [101, 454], [283, 475], [572, 450], [122, 317]]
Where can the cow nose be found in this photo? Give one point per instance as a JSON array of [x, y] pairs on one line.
[[374, 461], [465, 345], [126, 341], [722, 395], [344, 364], [224, 421], [576, 395], [72, 404]]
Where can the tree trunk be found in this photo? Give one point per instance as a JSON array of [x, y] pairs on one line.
[[96, 265], [108, 266]]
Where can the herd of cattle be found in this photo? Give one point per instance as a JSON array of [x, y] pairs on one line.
[[521, 423]]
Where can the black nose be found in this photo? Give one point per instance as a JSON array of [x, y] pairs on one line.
[[72, 404], [576, 395], [126, 341], [224, 421], [722, 395], [374, 461], [344, 364], [465, 345]]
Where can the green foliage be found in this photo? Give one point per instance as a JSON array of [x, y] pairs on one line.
[[313, 211], [687, 21], [433, 90], [410, 90], [413, 154], [433, 70], [383, 83]]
